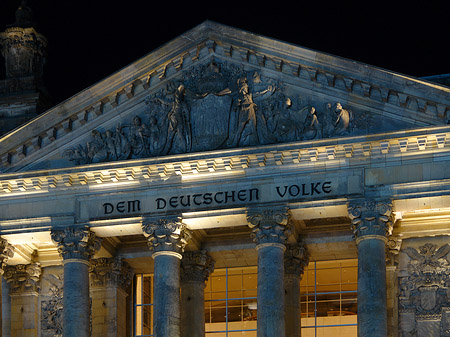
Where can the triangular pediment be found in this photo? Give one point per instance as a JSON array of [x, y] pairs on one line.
[[218, 88]]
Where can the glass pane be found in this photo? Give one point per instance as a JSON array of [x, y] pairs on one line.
[[234, 282]]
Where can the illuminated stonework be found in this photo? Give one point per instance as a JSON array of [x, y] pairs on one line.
[[229, 147]]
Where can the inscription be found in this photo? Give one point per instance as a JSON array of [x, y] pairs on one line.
[[193, 200], [130, 206], [222, 197], [304, 189]]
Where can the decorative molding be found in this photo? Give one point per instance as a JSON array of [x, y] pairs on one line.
[[370, 218], [166, 235], [23, 278], [326, 152], [269, 226], [110, 272], [196, 266], [424, 299], [296, 258], [6, 252], [75, 243]]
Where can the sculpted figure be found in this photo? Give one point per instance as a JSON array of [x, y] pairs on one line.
[[311, 126], [137, 136], [179, 138], [250, 122], [342, 121], [96, 149]]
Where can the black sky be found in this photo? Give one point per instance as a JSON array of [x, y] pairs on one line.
[[89, 40]]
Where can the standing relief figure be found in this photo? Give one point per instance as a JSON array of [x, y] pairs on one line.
[[251, 128], [311, 128], [179, 137]]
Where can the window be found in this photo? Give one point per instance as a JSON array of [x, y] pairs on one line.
[[230, 303], [328, 299], [143, 305]]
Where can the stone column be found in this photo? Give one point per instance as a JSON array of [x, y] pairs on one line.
[[23, 281], [195, 269], [76, 246], [166, 238], [371, 224], [296, 257], [270, 229], [110, 281], [6, 251]]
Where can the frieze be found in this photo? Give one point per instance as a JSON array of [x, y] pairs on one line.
[[218, 106]]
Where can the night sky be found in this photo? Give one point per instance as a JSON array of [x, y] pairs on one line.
[[90, 40]]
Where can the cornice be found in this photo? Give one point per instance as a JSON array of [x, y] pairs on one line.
[[391, 92], [396, 148]]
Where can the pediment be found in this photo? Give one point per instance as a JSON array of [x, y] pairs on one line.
[[217, 88]]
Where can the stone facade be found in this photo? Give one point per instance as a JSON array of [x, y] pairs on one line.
[[224, 149]]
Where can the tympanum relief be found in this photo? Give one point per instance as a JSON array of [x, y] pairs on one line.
[[218, 106]]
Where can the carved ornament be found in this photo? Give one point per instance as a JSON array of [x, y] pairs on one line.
[[249, 109], [196, 266], [166, 235], [269, 226], [113, 272], [6, 252], [424, 300], [75, 242], [23, 278], [296, 258], [371, 218], [52, 310]]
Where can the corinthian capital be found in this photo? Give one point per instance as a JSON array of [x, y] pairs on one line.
[[6, 251], [296, 258], [166, 235], [113, 272], [269, 225], [196, 266], [371, 219], [75, 242], [23, 277]]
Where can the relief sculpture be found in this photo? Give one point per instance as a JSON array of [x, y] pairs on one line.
[[216, 106], [424, 299]]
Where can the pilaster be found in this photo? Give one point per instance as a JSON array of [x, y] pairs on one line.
[[6, 252], [270, 231], [196, 266], [371, 222], [110, 280], [296, 258], [24, 285]]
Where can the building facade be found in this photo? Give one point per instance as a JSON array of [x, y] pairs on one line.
[[229, 184]]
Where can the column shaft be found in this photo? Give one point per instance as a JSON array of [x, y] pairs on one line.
[[270, 291], [372, 313], [292, 305], [196, 266], [192, 309], [6, 309], [76, 299], [166, 295]]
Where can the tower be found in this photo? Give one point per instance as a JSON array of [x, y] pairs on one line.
[[22, 92]]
